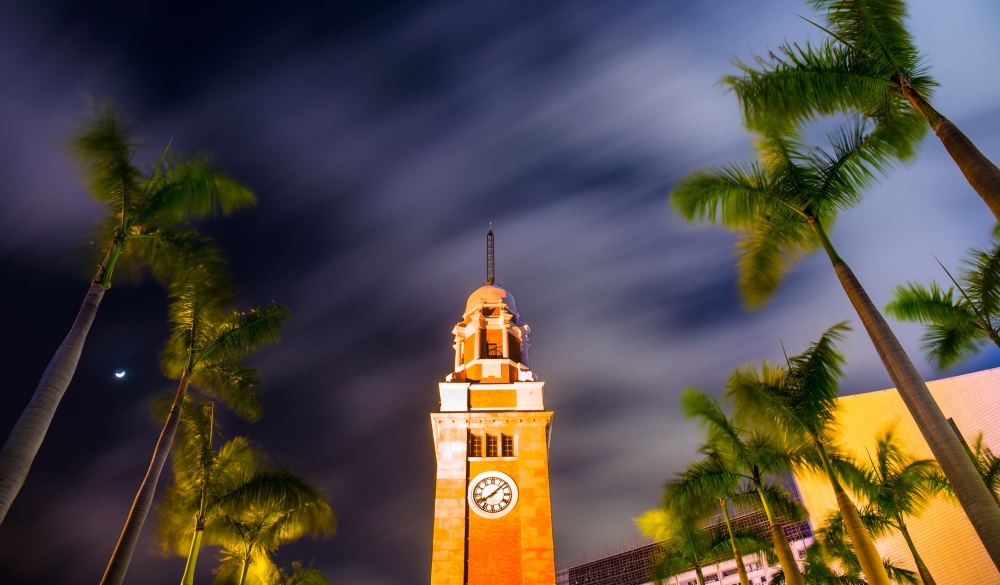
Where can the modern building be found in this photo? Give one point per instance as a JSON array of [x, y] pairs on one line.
[[632, 567], [942, 535], [492, 512]]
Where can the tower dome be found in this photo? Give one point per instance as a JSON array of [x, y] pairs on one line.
[[491, 294]]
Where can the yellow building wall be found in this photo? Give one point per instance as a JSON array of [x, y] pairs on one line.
[[942, 534]]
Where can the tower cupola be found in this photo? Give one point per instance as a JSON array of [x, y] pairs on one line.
[[491, 341]]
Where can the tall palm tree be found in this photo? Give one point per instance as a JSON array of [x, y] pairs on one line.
[[206, 349], [988, 465], [302, 575], [145, 212], [782, 205], [740, 462], [818, 570], [688, 490], [204, 482], [685, 543], [835, 547], [957, 325], [871, 67], [799, 400], [263, 523], [896, 485]]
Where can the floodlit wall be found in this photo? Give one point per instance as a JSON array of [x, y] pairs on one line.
[[942, 534]]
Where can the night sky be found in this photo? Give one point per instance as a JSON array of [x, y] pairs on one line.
[[382, 138]]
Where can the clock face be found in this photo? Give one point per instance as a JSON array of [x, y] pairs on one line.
[[492, 494]]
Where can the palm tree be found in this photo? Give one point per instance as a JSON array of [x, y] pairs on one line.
[[261, 523], [957, 326], [781, 207], [144, 214], [688, 490], [871, 67], [988, 465], [204, 482], [205, 349], [800, 401], [897, 485], [738, 462], [818, 571], [303, 576], [835, 547], [685, 542]]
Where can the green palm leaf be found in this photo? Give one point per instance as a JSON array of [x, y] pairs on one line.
[[956, 327], [874, 28], [243, 333], [235, 384], [767, 252], [192, 188]]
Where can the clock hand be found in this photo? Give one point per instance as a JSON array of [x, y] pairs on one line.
[[489, 495]]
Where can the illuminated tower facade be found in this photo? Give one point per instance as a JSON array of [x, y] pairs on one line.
[[492, 511]]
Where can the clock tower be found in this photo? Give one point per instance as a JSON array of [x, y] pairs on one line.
[[492, 512]]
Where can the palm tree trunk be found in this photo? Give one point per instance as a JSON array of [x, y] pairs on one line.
[[26, 437], [868, 557], [115, 573], [793, 576], [199, 526], [740, 567], [925, 575], [979, 171], [972, 493], [698, 573], [246, 568], [192, 559]]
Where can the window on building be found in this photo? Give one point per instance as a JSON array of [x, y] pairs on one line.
[[802, 553], [476, 446], [711, 578], [491, 446], [751, 567], [494, 350], [730, 572], [507, 445]]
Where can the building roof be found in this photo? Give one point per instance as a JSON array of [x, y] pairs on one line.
[[490, 294]]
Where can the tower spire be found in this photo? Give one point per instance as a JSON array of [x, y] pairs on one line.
[[489, 256]]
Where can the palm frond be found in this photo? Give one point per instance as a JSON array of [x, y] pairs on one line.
[[918, 304], [875, 29], [237, 385], [701, 484], [181, 255], [757, 394], [857, 155], [192, 188], [732, 196], [782, 503], [768, 251], [104, 145], [243, 333], [302, 575], [814, 375], [802, 81], [981, 282], [951, 343]]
